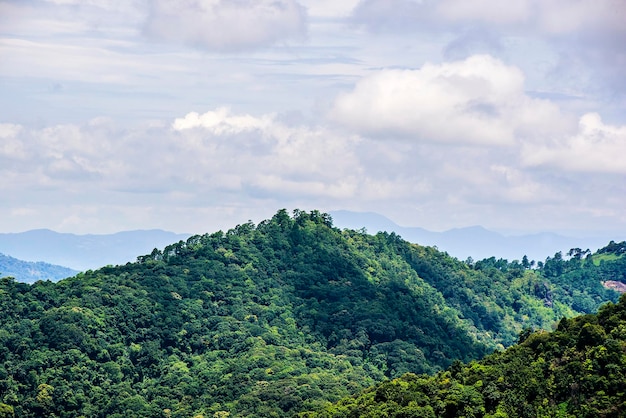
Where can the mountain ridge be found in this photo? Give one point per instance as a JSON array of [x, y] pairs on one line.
[[91, 251], [30, 271], [474, 241], [84, 252]]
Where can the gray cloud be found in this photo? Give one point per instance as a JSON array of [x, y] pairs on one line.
[[226, 25], [548, 16], [472, 42], [391, 15]]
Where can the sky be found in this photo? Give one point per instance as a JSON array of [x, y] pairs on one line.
[[197, 115]]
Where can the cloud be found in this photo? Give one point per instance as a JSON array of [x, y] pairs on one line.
[[268, 155], [221, 121], [473, 42], [596, 148], [579, 40], [329, 8], [563, 16], [10, 145], [479, 100], [490, 11], [226, 25], [203, 164], [548, 16], [391, 15], [212, 153]]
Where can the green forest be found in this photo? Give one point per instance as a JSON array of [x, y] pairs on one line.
[[576, 371], [293, 315]]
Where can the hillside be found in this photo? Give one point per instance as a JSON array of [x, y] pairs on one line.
[[577, 371], [268, 320], [30, 272]]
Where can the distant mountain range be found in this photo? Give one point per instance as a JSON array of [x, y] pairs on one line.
[[84, 252], [475, 241], [30, 272]]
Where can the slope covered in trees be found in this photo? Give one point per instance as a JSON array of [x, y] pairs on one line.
[[267, 320], [577, 371]]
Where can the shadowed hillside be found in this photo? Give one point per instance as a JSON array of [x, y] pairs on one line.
[[579, 370]]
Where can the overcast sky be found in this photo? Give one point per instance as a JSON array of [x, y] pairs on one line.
[[197, 115]]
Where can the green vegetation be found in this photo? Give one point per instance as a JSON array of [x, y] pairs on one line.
[[612, 252], [268, 320], [577, 371]]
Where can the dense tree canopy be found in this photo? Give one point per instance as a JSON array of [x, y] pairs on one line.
[[268, 320], [577, 371]]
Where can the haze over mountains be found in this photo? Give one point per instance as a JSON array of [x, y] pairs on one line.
[[31, 271], [474, 241], [91, 251], [84, 252]]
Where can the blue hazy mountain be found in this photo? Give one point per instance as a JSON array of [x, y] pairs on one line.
[[30, 272], [475, 241], [84, 252]]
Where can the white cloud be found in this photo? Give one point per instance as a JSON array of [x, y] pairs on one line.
[[221, 121], [226, 25], [9, 130], [10, 145], [516, 186], [479, 100], [597, 148]]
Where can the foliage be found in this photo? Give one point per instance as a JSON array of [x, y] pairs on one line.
[[579, 370], [268, 320]]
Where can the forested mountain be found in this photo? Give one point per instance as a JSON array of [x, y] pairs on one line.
[[271, 319], [29, 272], [577, 371]]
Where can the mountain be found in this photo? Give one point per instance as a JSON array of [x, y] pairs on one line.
[[578, 370], [270, 320], [29, 272], [83, 252], [475, 241]]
